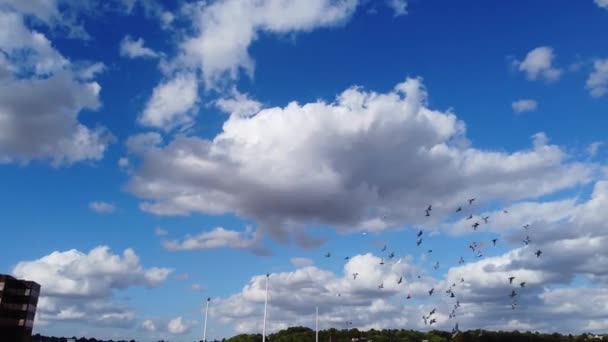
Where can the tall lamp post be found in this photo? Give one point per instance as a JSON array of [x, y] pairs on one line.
[[206, 314], [265, 309], [317, 325]]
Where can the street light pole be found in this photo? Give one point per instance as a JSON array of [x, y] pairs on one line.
[[206, 314], [265, 310], [317, 325]]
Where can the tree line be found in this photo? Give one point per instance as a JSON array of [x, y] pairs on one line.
[[303, 334]]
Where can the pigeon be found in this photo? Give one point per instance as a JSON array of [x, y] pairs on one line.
[[485, 219], [511, 279], [475, 225], [431, 291], [461, 261], [432, 321], [381, 286], [452, 295], [346, 258], [527, 240], [400, 280], [469, 217], [459, 209], [429, 208], [355, 275], [538, 253], [522, 284], [392, 255], [432, 312], [420, 233], [513, 294], [436, 265], [418, 242], [428, 213], [494, 241], [327, 255], [472, 246], [471, 200]]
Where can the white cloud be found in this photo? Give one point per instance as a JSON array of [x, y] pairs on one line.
[[399, 7], [179, 326], [75, 274], [39, 112], [301, 262], [597, 83], [196, 287], [220, 46], [149, 325], [78, 287], [311, 163], [172, 104], [594, 148], [238, 104], [524, 105], [135, 48], [123, 163], [538, 64], [217, 238], [102, 207], [602, 3], [160, 232]]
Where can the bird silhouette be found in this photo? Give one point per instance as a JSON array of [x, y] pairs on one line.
[[384, 248], [346, 258], [526, 226], [409, 296], [469, 217], [433, 321], [485, 219], [522, 284], [471, 200], [430, 251], [429, 208], [392, 255], [511, 278], [328, 255], [461, 261], [459, 209], [505, 211], [475, 225], [428, 213], [432, 312], [418, 242], [527, 240], [381, 261], [538, 253], [355, 275], [431, 291], [513, 294], [420, 233], [381, 286], [452, 295], [436, 265], [494, 241]]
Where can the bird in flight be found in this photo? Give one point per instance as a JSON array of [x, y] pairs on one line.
[[471, 200], [459, 209], [511, 278], [522, 284], [505, 211], [420, 233], [452, 295], [431, 291], [384, 248], [436, 265], [327, 255], [485, 219], [381, 261], [355, 275], [392, 255], [429, 208], [469, 217], [527, 240], [424, 318], [419, 242], [430, 251], [461, 261], [432, 321], [513, 294], [475, 225], [494, 241], [400, 280], [432, 312], [409, 296], [538, 253], [428, 213], [381, 286], [526, 226], [473, 245], [347, 258]]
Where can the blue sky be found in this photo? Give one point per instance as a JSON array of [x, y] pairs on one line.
[[220, 140]]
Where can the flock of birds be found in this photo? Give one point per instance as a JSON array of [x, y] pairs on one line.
[[476, 247]]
